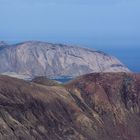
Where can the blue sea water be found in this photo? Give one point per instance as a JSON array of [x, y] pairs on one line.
[[63, 79], [129, 56]]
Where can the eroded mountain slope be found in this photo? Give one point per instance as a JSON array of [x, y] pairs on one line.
[[91, 107]]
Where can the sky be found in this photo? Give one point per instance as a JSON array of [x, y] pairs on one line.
[[112, 26]]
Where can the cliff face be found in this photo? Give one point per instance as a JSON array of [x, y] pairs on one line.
[[45, 59], [91, 107]]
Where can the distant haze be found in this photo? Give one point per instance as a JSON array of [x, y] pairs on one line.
[[109, 25]]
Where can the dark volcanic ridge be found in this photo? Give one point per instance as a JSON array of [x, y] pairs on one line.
[[99, 106]]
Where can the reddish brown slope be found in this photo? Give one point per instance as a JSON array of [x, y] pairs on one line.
[[116, 100], [92, 107]]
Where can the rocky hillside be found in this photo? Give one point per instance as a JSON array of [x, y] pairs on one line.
[[92, 107], [44, 59]]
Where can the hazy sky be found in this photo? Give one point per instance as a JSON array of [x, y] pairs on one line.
[[102, 24]]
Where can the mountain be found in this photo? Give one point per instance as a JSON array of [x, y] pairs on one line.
[[99, 106], [34, 58], [3, 45]]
